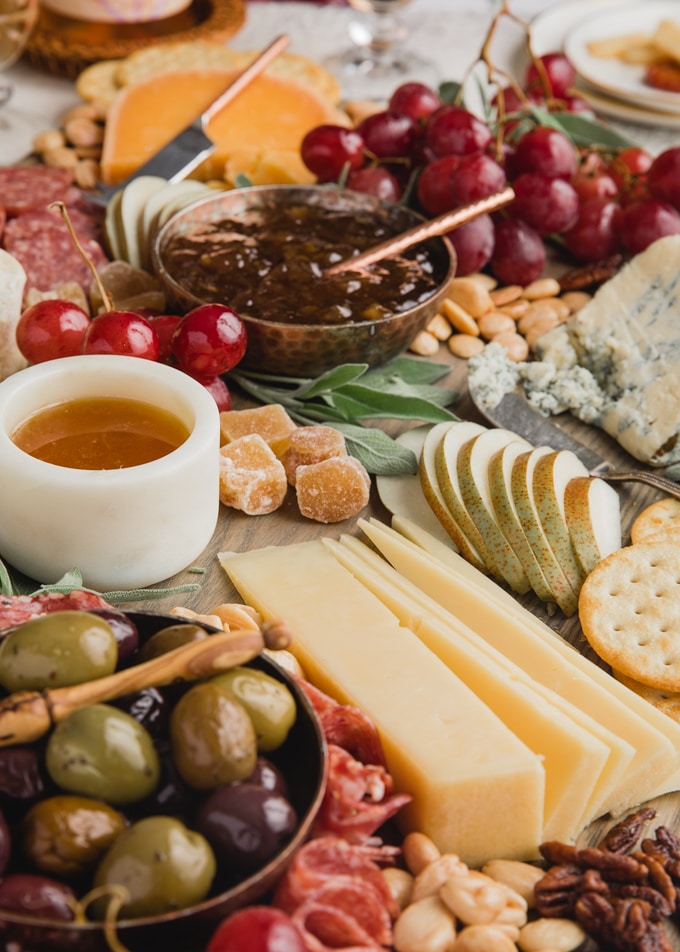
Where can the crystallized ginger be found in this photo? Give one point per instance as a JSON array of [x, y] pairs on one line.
[[252, 478], [332, 489], [311, 444], [271, 422]]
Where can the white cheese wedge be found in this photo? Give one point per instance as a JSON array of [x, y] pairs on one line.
[[538, 536], [477, 790], [498, 618], [12, 285], [582, 761], [473, 479]]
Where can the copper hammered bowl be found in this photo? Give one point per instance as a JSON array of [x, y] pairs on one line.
[[303, 760], [309, 349]]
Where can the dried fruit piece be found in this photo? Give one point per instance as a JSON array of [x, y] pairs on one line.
[[271, 422], [309, 445], [332, 490], [252, 478]]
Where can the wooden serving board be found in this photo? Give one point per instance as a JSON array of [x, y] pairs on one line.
[[239, 532]]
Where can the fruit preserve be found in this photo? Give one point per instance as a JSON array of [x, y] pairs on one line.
[[271, 266], [100, 433]]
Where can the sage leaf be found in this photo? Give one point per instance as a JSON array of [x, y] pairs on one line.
[[332, 379], [582, 129], [408, 369], [379, 453], [6, 587]]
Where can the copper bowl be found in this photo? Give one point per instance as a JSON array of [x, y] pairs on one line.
[[309, 349], [303, 759]]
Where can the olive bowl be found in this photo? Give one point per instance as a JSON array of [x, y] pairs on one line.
[[303, 760], [289, 347]]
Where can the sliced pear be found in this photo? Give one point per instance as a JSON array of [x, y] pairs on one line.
[[473, 479], [551, 475], [446, 466], [403, 495], [500, 487], [433, 492], [134, 198], [161, 206], [593, 513], [113, 229], [523, 495]]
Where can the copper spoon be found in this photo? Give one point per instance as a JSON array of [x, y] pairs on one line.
[[424, 230], [26, 716]]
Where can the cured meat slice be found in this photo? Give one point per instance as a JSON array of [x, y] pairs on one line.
[[15, 609], [41, 242], [26, 188], [326, 859], [358, 799], [344, 913], [346, 726]]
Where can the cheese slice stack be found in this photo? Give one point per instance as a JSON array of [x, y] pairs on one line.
[[477, 789]]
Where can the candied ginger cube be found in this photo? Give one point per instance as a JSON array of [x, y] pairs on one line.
[[252, 478], [311, 444], [332, 489], [271, 422]]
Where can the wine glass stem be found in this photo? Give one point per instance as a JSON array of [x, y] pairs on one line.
[[387, 31]]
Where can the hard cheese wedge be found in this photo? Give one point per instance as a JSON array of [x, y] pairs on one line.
[[526, 640], [581, 761], [272, 114], [466, 770]]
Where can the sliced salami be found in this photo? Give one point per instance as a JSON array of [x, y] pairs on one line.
[[15, 609], [26, 188], [326, 928], [346, 726], [360, 916]]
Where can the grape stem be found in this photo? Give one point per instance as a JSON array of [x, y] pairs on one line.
[[106, 299]]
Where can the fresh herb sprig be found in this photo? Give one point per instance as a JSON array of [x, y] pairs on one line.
[[351, 395]]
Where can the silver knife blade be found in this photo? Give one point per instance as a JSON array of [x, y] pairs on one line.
[[514, 412], [191, 146]]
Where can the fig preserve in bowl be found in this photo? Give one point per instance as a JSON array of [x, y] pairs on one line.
[[263, 251], [301, 760]]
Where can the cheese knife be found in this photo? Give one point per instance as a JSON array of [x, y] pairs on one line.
[[514, 412], [191, 146]]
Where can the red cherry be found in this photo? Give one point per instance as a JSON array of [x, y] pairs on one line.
[[121, 332], [415, 100], [210, 340], [559, 74], [219, 390], [257, 929], [50, 329], [165, 326]]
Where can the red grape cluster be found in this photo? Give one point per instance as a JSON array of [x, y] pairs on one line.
[[437, 156], [206, 342]]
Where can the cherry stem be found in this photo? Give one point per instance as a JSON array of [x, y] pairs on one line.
[[106, 298]]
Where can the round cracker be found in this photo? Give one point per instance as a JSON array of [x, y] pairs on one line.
[[98, 83], [656, 518], [668, 702], [629, 608]]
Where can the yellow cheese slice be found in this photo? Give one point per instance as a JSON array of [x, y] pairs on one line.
[[583, 761], [272, 115], [477, 790], [526, 640]]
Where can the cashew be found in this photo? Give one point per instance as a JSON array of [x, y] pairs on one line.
[[483, 938], [430, 880], [418, 851], [425, 926], [563, 935], [400, 884], [476, 899], [522, 877]]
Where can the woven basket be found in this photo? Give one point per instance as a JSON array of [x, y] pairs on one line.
[[64, 47]]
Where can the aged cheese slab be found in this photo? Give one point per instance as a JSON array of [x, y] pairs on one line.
[[466, 770], [583, 763], [496, 616]]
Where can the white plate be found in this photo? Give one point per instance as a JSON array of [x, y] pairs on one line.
[[622, 80]]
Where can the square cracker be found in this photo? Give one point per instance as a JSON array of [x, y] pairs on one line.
[[629, 608]]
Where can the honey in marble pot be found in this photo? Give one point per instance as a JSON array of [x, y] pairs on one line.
[[100, 433]]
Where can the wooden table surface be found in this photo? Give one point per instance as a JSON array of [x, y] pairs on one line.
[[238, 532]]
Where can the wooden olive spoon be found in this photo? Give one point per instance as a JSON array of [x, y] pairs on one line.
[[26, 716], [422, 231]]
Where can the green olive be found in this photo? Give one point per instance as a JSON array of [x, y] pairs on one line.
[[270, 704], [57, 650], [167, 639], [67, 835], [102, 752], [162, 865], [212, 737]]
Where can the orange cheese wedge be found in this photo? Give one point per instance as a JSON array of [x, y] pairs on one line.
[[271, 116]]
